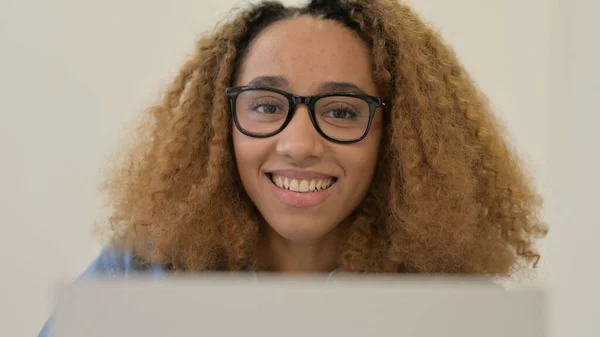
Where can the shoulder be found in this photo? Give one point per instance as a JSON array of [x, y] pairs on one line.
[[113, 262]]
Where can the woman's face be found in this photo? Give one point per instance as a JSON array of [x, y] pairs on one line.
[[306, 56]]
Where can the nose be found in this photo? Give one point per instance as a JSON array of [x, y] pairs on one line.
[[300, 142]]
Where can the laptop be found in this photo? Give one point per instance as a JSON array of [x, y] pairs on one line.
[[294, 306]]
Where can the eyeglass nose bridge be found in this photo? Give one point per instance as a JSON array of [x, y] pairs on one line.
[[295, 101], [301, 100]]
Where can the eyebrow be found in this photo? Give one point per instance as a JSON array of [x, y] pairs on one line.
[[269, 81], [344, 87], [280, 82]]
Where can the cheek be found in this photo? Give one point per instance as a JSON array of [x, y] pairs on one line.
[[250, 154], [360, 161], [237, 142]]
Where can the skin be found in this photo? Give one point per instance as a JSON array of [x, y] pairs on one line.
[[304, 54]]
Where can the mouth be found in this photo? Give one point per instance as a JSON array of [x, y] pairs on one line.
[[302, 185]]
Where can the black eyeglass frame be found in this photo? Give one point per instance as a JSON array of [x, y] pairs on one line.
[[309, 101]]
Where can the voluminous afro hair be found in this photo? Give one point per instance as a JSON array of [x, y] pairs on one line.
[[449, 195]]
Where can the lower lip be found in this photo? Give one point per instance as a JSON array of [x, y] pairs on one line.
[[296, 199]]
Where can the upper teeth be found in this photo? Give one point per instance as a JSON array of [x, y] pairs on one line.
[[302, 185]]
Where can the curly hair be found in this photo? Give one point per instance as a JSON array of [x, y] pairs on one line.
[[449, 194]]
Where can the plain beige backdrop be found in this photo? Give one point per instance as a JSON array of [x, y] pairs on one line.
[[74, 74]]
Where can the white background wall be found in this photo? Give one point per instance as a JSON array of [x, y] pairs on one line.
[[73, 74], [573, 208]]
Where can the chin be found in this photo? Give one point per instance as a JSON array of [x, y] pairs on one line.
[[300, 231]]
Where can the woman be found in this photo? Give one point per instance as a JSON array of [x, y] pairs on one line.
[[340, 136]]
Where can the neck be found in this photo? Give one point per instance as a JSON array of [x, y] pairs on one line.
[[302, 257]]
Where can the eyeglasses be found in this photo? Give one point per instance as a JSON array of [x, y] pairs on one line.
[[339, 117]]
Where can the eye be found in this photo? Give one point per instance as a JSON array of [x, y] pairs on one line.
[[341, 113], [267, 108]]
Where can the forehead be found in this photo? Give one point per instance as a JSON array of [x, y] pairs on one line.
[[308, 52]]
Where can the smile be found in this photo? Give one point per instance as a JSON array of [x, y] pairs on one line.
[[302, 185]]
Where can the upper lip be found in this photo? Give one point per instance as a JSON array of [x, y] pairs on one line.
[[294, 174]]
